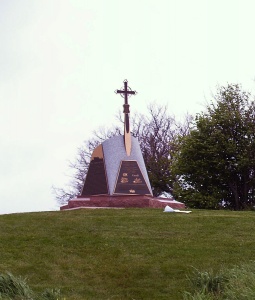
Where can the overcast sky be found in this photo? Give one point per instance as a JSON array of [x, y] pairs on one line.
[[60, 62]]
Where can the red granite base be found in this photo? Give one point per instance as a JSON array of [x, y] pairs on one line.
[[126, 201]]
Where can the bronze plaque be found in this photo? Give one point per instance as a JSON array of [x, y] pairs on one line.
[[95, 183], [130, 179]]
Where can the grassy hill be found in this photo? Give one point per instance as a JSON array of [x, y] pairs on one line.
[[122, 253]]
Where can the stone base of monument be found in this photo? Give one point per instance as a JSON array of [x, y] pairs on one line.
[[125, 201]]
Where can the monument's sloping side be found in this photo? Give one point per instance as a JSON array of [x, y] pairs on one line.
[[96, 181]]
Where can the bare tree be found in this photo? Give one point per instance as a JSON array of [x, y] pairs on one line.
[[157, 134]]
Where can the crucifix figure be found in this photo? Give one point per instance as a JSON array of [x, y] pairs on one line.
[[125, 93]]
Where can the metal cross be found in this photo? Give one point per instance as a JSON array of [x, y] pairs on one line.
[[127, 92]]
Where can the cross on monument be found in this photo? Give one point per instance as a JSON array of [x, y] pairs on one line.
[[125, 93]]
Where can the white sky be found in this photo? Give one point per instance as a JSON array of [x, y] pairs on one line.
[[60, 62]]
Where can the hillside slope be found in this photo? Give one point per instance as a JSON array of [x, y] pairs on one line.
[[122, 253]]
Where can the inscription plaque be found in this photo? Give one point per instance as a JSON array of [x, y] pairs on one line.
[[95, 183], [130, 179]]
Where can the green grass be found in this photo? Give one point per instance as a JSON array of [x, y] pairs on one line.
[[16, 287], [122, 253], [232, 284]]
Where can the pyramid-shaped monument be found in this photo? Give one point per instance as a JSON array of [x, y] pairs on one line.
[[117, 175]]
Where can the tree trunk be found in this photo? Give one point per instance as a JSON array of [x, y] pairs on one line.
[[234, 188]]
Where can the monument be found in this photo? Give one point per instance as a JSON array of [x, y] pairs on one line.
[[117, 175]]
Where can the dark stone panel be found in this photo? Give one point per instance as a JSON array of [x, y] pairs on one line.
[[130, 180], [95, 183]]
